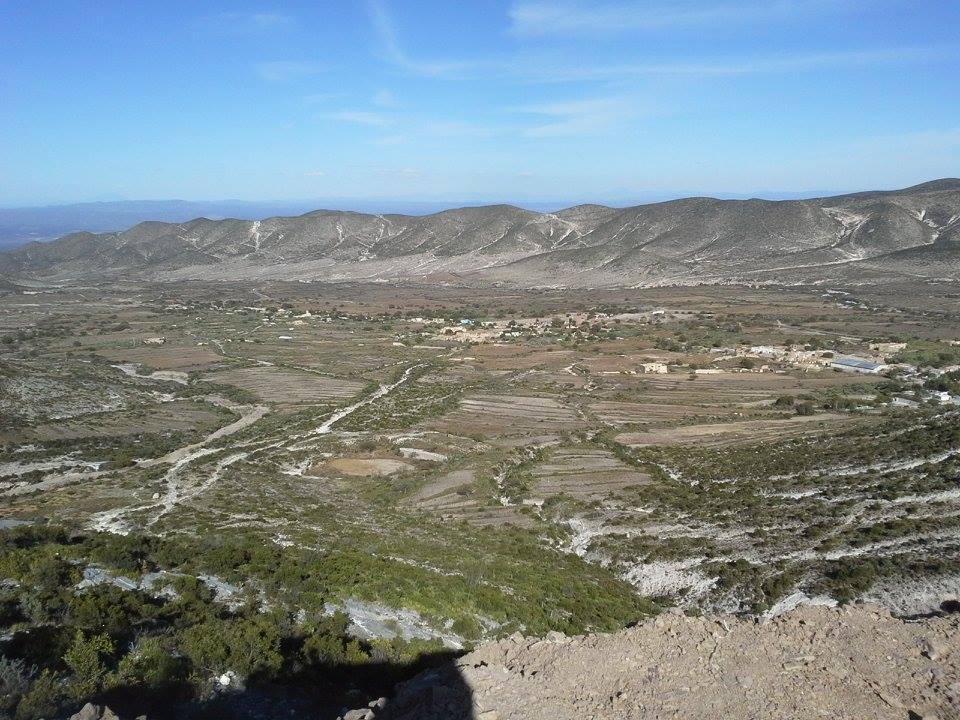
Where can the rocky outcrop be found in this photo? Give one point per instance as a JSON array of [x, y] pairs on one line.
[[814, 662], [94, 712]]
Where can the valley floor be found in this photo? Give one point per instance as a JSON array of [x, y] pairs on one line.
[[466, 464]]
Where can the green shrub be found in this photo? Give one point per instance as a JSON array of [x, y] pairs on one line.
[[247, 646], [15, 680], [87, 658], [327, 644], [152, 663], [44, 699]]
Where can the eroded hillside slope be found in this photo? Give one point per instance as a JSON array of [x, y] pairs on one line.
[[871, 236]]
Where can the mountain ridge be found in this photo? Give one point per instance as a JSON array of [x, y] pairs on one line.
[[683, 241]]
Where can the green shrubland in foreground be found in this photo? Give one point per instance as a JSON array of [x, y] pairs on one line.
[[147, 649]]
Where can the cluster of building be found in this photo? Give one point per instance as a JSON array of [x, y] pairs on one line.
[[819, 359]]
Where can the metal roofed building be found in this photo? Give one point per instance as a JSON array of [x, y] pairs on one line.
[[859, 365]]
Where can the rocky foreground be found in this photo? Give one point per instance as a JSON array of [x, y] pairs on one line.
[[814, 662]]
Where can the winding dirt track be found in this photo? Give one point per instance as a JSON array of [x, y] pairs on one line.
[[115, 520]]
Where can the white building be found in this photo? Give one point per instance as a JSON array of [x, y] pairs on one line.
[[857, 365]]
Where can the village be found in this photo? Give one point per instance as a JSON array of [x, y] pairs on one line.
[[851, 355], [916, 384]]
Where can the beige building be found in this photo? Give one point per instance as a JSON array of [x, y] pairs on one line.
[[655, 367], [887, 348]]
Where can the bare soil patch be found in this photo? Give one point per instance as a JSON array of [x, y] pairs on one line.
[[364, 467], [812, 663], [165, 357], [280, 385]]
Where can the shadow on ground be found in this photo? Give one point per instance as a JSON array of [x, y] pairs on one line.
[[431, 688]]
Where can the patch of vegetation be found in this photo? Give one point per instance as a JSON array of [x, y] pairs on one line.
[[847, 578], [164, 652], [173, 639], [756, 586], [924, 353]]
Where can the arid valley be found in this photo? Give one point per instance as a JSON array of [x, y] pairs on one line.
[[443, 467]]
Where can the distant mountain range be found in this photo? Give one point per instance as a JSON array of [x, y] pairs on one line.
[[866, 237], [18, 226]]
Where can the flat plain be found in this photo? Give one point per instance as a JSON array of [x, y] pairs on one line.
[[648, 440]]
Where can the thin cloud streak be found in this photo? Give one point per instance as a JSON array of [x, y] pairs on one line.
[[546, 71], [288, 70], [577, 117], [243, 23], [358, 117], [389, 48], [536, 18], [384, 98]]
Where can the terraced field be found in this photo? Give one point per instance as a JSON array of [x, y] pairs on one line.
[[281, 385], [731, 433], [583, 473], [503, 414], [173, 416], [614, 412], [480, 475]]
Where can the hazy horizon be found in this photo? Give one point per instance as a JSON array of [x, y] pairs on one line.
[[638, 197]]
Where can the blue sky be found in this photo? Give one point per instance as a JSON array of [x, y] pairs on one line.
[[502, 100]]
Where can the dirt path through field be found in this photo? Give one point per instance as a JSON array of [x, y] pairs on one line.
[[249, 414], [114, 520], [339, 415]]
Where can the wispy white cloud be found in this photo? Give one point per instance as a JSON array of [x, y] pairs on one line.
[[358, 117], [388, 46], [435, 128], [384, 98], [390, 140], [320, 98], [576, 117], [314, 173], [545, 70], [577, 18], [288, 70], [536, 17], [415, 129], [241, 23]]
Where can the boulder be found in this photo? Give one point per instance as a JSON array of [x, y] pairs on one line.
[[94, 712]]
